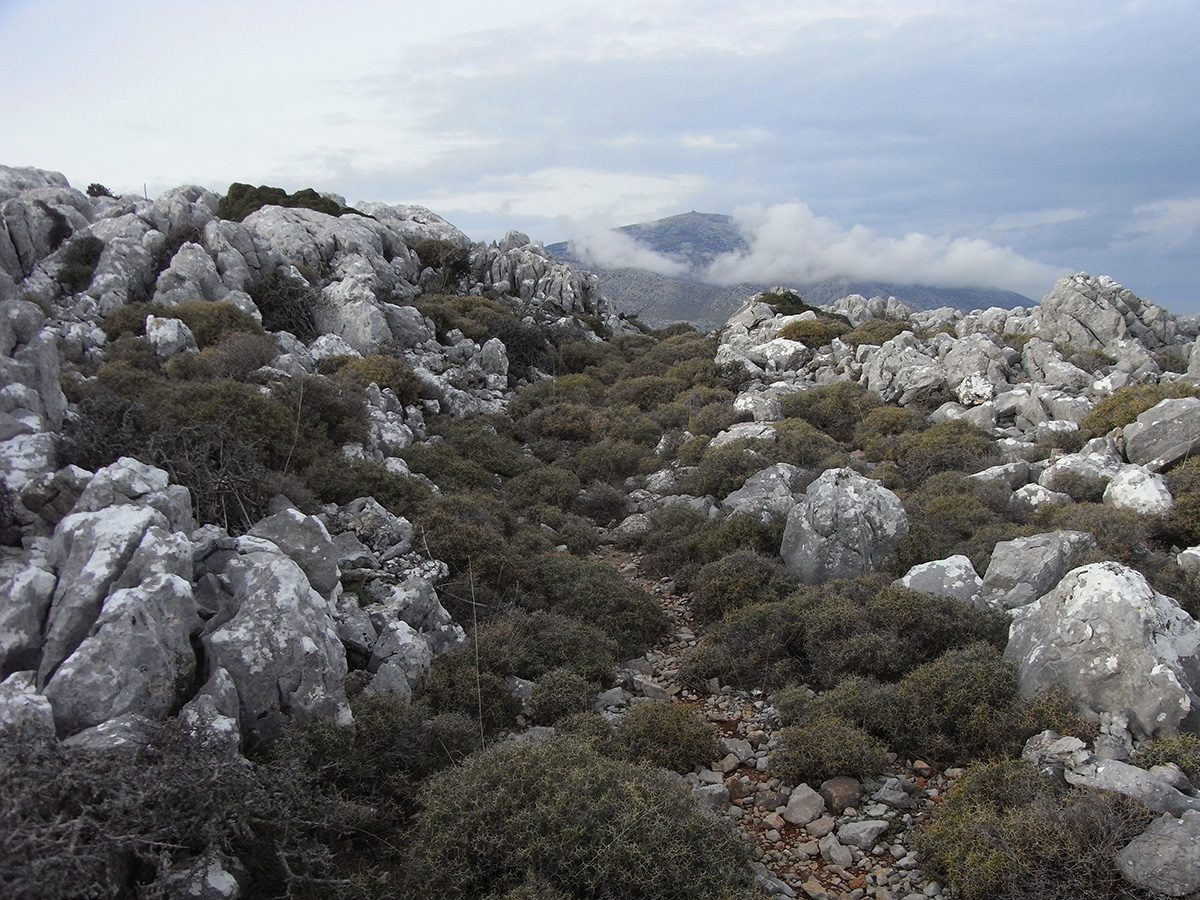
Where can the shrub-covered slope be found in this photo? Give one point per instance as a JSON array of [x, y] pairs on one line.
[[310, 498]]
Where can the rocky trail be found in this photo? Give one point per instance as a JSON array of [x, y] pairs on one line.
[[844, 839]]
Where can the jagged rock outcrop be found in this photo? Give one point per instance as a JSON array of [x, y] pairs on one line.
[[845, 525], [1115, 645], [1164, 434], [1082, 311], [1024, 569]]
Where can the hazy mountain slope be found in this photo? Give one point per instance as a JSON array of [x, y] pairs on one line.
[[698, 238]]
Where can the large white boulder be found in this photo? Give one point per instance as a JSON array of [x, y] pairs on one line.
[[845, 525], [1116, 645]]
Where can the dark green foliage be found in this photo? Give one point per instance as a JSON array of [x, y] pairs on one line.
[[285, 305], [456, 684], [560, 693], [1124, 405], [816, 332], [449, 261], [243, 199], [208, 322], [81, 823], [875, 331], [1005, 832], [1183, 751], [961, 706], [947, 446], [10, 531], [479, 318], [787, 303], [722, 470], [95, 189], [336, 479], [530, 644], [758, 646], [823, 747], [384, 371], [555, 819], [668, 735], [836, 409], [235, 356], [740, 579], [1182, 525], [77, 263]]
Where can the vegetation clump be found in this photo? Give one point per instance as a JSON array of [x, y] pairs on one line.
[[1005, 831], [243, 199], [555, 818]]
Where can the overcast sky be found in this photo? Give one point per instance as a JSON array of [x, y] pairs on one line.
[[955, 142]]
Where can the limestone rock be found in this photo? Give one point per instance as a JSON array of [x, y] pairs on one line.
[[1132, 781], [845, 525], [1023, 569], [92, 552], [27, 585], [1164, 434], [804, 805], [24, 710], [1082, 311], [1115, 645], [1163, 858], [1135, 488], [1083, 475], [954, 577], [304, 539], [279, 644], [768, 493], [169, 336], [137, 659]]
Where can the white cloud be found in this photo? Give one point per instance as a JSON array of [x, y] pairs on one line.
[[1037, 219], [1175, 221], [599, 245], [565, 192], [790, 243]]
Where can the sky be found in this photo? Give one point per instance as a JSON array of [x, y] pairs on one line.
[[993, 143]]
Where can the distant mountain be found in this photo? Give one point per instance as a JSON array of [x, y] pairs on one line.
[[698, 238]]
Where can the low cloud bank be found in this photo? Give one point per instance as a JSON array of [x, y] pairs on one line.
[[605, 248], [790, 243]]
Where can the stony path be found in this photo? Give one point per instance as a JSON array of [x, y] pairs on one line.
[[856, 847]]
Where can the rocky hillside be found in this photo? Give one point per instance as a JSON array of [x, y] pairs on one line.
[[336, 544]]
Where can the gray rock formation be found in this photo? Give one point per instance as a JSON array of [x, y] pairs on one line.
[[1164, 434], [1115, 645], [1023, 569], [277, 641], [954, 577], [1163, 858], [769, 493], [844, 526]]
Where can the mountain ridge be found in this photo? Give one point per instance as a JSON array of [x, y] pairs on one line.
[[696, 239]]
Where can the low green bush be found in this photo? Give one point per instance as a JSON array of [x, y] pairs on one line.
[[558, 694], [816, 332], [947, 446], [740, 579], [384, 371], [1183, 750], [78, 261], [875, 331], [1005, 832], [823, 747], [554, 818], [668, 735], [1125, 404], [243, 199]]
